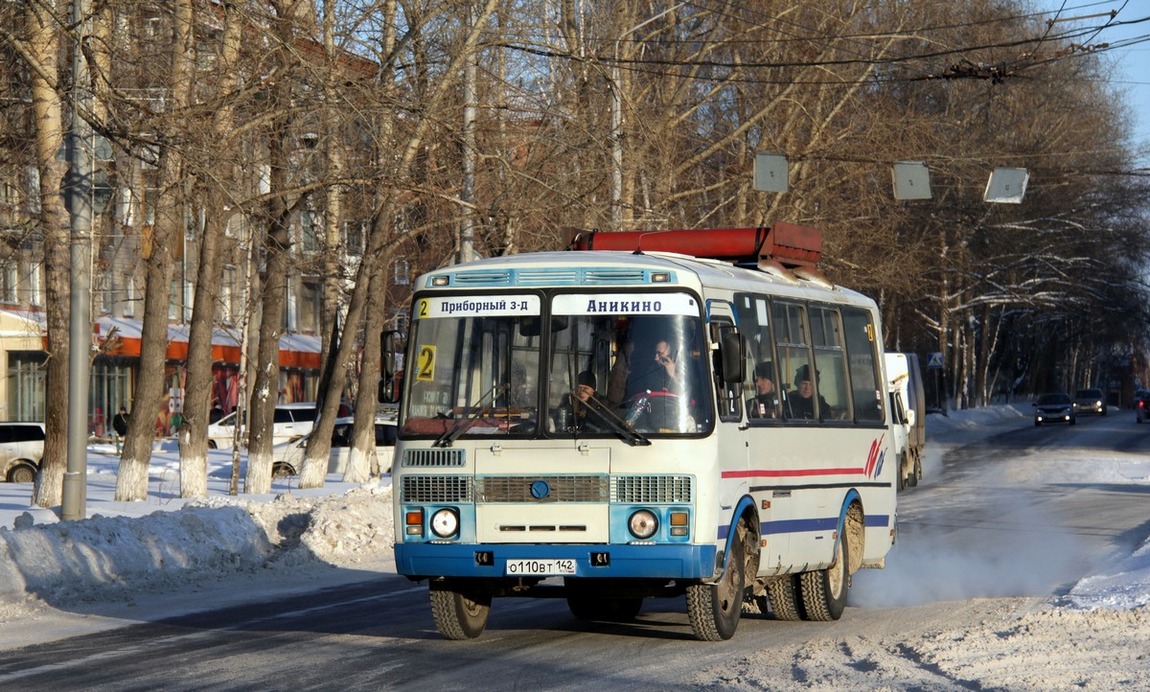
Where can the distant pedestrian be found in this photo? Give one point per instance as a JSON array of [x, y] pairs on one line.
[[120, 426]]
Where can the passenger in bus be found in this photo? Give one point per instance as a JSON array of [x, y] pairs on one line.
[[577, 412], [660, 372], [765, 403], [802, 401]]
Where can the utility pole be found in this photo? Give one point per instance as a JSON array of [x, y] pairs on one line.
[[80, 198], [467, 193]]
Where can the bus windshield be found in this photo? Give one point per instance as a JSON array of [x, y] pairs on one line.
[[475, 368], [630, 359], [618, 365]]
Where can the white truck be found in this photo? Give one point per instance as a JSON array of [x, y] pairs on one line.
[[908, 415]]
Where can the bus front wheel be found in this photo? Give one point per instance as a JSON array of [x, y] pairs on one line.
[[714, 609], [459, 615]]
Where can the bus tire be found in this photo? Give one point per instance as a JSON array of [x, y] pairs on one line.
[[825, 590], [609, 609], [784, 595], [714, 609], [458, 615], [916, 475]]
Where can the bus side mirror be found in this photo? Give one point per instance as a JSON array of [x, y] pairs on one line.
[[386, 394], [731, 354]]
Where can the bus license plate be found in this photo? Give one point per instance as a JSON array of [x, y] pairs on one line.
[[540, 568]]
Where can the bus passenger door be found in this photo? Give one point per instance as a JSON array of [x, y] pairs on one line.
[[730, 435]]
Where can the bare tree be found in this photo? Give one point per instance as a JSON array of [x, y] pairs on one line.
[[44, 24], [171, 200], [285, 23], [381, 234], [216, 182]]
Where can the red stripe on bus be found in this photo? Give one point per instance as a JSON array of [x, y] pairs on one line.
[[791, 473]]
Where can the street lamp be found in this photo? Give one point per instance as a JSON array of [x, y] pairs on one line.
[[617, 122]]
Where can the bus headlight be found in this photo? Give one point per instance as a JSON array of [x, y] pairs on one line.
[[445, 523], [643, 524]]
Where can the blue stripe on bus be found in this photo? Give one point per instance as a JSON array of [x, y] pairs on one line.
[[806, 525], [629, 561]]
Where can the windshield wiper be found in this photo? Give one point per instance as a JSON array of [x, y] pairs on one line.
[[465, 424], [617, 424]]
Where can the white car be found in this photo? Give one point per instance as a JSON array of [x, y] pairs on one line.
[[21, 449], [287, 458], [291, 422]]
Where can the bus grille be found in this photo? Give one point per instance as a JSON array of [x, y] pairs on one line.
[[437, 489], [615, 276], [434, 458], [559, 489], [483, 278], [651, 489]]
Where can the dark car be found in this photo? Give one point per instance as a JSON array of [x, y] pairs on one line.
[[1142, 407], [1054, 408], [1090, 401]]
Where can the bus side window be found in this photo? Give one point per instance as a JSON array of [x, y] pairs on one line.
[[826, 338], [762, 387], [862, 354], [792, 345]]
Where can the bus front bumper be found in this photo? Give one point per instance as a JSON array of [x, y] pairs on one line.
[[582, 560]]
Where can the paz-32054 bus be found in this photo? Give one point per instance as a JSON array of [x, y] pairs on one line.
[[668, 413]]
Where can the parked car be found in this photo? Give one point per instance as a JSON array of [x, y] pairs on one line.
[[287, 458], [1142, 407], [291, 422], [21, 449], [1054, 408], [1090, 401]]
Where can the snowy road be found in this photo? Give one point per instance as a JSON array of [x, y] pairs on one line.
[[999, 529]]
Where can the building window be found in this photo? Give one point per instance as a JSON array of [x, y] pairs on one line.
[[130, 300], [227, 314], [26, 385], [9, 285], [354, 235], [400, 272], [34, 293], [311, 294], [308, 227]]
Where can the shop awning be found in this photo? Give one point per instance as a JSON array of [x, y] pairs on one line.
[[296, 350]]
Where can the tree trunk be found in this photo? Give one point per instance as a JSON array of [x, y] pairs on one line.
[[201, 381], [150, 403], [361, 458], [44, 49], [313, 473]]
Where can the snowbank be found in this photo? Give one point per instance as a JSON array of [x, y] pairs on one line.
[[115, 557]]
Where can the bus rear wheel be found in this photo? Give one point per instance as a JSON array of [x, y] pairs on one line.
[[825, 590], [785, 597], [458, 615], [714, 609]]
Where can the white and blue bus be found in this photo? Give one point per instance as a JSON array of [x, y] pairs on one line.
[[665, 413]]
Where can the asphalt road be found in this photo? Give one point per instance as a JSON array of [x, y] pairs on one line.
[[973, 532]]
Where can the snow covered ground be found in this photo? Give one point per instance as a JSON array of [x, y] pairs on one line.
[[63, 578]]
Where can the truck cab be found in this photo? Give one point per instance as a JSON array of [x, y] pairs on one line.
[[908, 415]]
